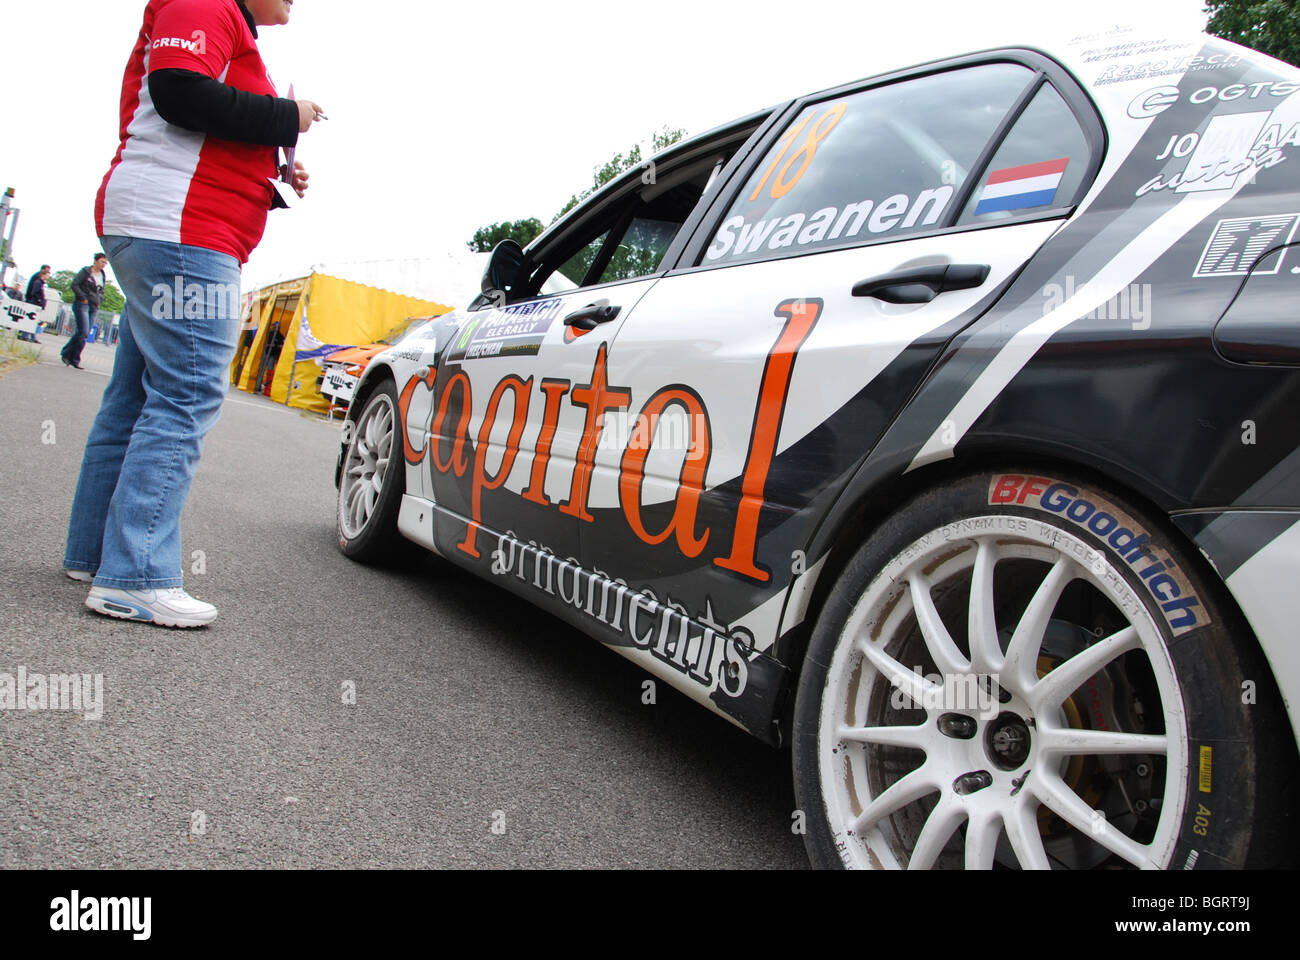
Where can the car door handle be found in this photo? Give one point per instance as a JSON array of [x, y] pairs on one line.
[[592, 315], [923, 284]]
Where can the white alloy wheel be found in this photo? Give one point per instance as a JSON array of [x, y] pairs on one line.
[[372, 479], [367, 465], [974, 751]]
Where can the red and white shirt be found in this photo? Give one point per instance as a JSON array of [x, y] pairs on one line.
[[168, 183]]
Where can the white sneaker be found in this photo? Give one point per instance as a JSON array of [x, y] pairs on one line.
[[172, 607], [81, 576]]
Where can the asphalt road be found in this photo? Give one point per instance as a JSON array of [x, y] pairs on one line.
[[472, 708]]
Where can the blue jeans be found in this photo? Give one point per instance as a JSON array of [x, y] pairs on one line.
[[169, 380], [85, 316]]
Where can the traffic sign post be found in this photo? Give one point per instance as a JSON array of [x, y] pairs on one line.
[[8, 227]]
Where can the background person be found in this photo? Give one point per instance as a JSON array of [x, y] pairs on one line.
[[184, 202], [36, 295], [88, 288]]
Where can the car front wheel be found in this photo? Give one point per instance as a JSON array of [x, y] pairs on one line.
[[372, 479], [1027, 672]]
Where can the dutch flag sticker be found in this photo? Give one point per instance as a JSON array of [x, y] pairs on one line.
[[1018, 188]]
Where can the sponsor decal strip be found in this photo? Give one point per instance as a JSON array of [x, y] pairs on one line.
[[516, 330], [710, 653], [738, 237], [598, 399], [1164, 581]]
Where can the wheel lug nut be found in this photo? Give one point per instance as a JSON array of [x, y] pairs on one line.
[[958, 726], [1143, 769], [969, 783]]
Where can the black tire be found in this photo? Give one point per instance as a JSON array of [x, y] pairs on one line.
[[367, 531], [1189, 677]]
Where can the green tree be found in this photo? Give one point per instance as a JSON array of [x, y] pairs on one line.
[[621, 163], [521, 231], [1269, 26], [61, 281], [637, 255], [113, 301]]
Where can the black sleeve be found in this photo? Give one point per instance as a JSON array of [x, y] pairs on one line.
[[204, 105], [79, 284]]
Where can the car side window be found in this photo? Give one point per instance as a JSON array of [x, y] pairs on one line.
[[1041, 164], [873, 165], [575, 268], [630, 236], [640, 250]]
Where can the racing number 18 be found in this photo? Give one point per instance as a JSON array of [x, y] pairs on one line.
[[819, 132]]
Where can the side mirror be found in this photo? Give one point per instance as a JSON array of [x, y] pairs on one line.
[[503, 271]]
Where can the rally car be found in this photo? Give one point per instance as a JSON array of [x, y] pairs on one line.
[[341, 371], [941, 425]]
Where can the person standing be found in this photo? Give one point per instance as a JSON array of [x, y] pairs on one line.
[[36, 295], [183, 205], [88, 288]]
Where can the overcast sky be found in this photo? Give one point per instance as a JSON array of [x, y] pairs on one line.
[[444, 117]]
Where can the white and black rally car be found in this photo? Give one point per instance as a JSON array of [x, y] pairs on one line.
[[942, 425]]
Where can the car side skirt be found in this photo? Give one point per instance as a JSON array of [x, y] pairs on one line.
[[415, 521]]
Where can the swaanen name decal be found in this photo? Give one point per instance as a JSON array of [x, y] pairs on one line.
[[1163, 579], [697, 646], [737, 237], [448, 455]]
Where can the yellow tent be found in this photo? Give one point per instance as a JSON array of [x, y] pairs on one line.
[[291, 326]]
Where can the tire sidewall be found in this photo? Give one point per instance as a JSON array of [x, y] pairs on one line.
[[1221, 754]]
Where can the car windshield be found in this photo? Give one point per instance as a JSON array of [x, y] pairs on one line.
[[401, 330]]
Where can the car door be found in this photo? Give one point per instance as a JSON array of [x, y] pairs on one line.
[[874, 224], [521, 394]]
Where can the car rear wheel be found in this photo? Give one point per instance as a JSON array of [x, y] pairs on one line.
[[372, 479], [1025, 672]]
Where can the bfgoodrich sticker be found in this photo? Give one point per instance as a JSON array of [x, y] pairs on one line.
[[1163, 579]]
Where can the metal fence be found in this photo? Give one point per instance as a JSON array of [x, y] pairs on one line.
[[105, 326]]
